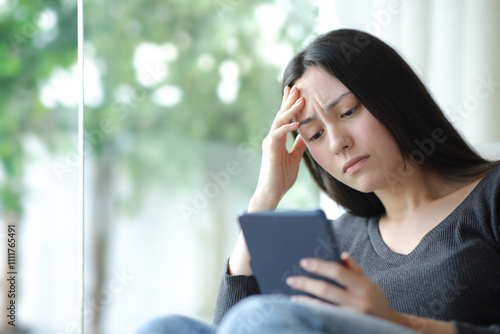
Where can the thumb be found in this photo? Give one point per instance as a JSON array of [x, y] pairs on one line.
[[298, 148], [350, 263]]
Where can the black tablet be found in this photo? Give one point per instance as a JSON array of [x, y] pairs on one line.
[[278, 240]]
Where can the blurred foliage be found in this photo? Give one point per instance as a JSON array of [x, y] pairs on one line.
[[200, 37], [150, 141], [28, 55]]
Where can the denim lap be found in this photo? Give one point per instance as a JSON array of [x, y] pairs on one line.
[[175, 324], [272, 314], [269, 314]]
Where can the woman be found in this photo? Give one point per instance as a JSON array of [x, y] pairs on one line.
[[421, 238]]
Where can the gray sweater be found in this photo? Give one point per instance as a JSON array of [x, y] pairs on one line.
[[453, 274]]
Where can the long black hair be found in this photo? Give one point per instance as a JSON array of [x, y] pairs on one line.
[[390, 90]]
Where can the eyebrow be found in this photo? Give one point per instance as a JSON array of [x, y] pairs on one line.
[[330, 106]]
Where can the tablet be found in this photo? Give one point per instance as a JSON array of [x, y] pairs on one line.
[[278, 240]]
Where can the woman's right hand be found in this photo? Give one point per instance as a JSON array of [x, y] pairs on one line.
[[278, 171], [279, 167]]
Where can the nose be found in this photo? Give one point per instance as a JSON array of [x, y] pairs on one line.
[[339, 140]]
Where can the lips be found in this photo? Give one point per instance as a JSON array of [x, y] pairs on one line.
[[353, 165]]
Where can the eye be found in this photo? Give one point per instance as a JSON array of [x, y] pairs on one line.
[[316, 136], [349, 113]]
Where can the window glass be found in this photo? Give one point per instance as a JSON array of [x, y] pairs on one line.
[[39, 231], [179, 95]]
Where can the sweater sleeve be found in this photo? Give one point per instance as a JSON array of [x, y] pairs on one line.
[[465, 328], [232, 289]]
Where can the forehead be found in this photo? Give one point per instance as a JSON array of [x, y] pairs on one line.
[[316, 84], [319, 89]]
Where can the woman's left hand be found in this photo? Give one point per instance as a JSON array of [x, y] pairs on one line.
[[360, 294]]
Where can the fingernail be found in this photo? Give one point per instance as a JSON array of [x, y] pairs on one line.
[[292, 281], [306, 263], [344, 255], [299, 100]]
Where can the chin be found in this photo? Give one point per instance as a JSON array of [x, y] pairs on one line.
[[365, 184]]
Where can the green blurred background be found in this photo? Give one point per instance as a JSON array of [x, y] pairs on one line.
[[178, 97]]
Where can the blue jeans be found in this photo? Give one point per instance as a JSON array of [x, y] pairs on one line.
[[272, 314]]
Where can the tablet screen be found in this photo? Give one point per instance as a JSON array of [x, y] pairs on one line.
[[278, 240]]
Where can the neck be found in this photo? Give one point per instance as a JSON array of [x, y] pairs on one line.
[[405, 194]]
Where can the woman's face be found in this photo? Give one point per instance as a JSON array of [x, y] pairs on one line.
[[343, 136]]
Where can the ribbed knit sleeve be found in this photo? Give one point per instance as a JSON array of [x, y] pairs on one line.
[[233, 288], [465, 328]]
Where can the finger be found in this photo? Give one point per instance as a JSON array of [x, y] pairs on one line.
[[296, 107], [350, 263], [286, 92], [298, 147], [292, 96], [290, 100], [286, 116], [318, 287], [279, 133], [307, 300], [334, 271]]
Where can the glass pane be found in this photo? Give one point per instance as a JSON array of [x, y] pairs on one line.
[[39, 234], [179, 95]]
